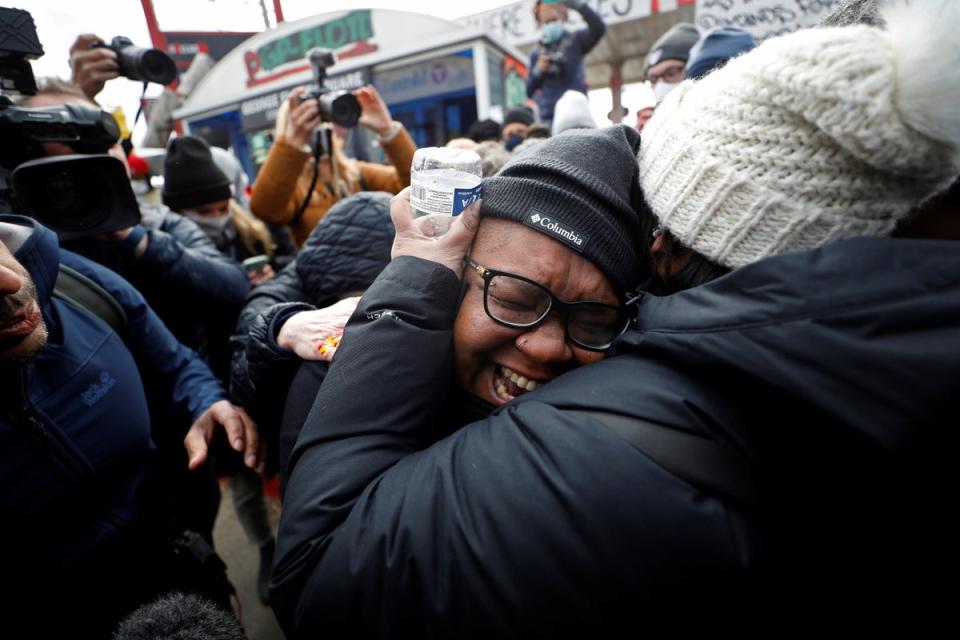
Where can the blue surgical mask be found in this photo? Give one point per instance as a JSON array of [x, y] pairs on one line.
[[552, 32], [512, 142]]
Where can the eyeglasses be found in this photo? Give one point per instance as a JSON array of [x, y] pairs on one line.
[[521, 303], [673, 73]]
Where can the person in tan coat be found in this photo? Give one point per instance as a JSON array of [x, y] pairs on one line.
[[284, 179]]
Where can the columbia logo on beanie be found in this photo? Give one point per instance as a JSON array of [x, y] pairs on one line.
[[579, 188], [562, 231]]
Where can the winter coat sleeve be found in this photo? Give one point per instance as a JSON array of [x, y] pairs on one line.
[[179, 253], [272, 197], [534, 77], [385, 534], [588, 38], [256, 357], [193, 386], [395, 178]]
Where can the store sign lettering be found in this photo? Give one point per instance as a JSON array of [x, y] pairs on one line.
[[355, 28]]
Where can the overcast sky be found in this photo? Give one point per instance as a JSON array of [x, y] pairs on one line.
[[59, 21]]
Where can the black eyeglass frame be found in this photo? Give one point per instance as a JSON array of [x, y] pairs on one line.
[[556, 303]]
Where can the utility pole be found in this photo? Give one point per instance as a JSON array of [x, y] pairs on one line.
[[266, 16]]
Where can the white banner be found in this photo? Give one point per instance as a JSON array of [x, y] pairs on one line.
[[515, 25], [762, 18]]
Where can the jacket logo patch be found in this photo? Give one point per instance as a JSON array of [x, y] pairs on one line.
[[98, 389], [558, 229]]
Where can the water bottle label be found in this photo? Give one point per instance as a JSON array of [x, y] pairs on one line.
[[463, 198], [448, 201]]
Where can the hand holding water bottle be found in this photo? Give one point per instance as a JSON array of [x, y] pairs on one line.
[[443, 182]]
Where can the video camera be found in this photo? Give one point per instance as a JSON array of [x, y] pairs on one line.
[[339, 107], [75, 195], [141, 63]]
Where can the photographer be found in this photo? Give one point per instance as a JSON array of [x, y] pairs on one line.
[[195, 290], [556, 62], [183, 276], [282, 193]]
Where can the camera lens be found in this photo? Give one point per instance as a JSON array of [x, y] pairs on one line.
[[342, 108], [68, 203], [156, 66]]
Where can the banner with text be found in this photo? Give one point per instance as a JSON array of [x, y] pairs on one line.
[[762, 18]]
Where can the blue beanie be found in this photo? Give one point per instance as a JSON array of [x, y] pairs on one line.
[[716, 47]]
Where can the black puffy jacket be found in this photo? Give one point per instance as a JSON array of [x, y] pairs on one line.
[[343, 255], [831, 374]]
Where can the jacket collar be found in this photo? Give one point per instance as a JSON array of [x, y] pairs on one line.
[[847, 274]]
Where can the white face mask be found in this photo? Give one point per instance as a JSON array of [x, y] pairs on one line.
[[213, 227], [661, 89]]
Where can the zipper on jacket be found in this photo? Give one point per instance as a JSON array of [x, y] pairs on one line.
[[42, 435]]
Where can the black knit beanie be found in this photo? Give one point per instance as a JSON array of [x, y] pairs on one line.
[[518, 114], [190, 176], [580, 188], [675, 44]]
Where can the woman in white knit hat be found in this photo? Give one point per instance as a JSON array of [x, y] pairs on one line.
[[818, 136], [774, 442]]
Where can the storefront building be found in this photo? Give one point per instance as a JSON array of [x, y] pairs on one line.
[[436, 76]]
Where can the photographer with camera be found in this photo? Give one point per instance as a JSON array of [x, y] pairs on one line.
[[180, 272], [93, 63], [556, 62], [306, 171]]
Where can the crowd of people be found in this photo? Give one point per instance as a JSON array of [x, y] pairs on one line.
[[694, 372]]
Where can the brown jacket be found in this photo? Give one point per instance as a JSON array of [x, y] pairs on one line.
[[284, 178]]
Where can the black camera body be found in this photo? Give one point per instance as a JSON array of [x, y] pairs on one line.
[[555, 63], [339, 107], [141, 63], [75, 195]]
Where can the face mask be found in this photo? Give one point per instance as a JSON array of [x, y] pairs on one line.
[[552, 32], [213, 227], [661, 89], [512, 142]]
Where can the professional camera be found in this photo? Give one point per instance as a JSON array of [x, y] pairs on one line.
[[141, 63], [75, 195], [339, 107]]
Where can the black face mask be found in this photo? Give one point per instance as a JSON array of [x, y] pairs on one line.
[[513, 141]]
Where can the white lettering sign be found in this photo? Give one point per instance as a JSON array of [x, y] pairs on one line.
[[515, 23], [762, 18]]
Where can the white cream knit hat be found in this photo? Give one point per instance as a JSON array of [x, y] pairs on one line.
[[814, 136]]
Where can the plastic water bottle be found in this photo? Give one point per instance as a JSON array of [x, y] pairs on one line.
[[443, 182]]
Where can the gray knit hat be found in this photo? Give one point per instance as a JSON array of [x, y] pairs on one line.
[[580, 188], [675, 44]]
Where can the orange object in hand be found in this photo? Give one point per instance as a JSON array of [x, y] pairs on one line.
[[329, 347]]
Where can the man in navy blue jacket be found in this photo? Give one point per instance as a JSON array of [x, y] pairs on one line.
[[556, 63], [82, 525]]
